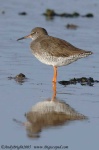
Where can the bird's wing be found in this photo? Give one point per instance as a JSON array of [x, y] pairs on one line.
[[58, 47]]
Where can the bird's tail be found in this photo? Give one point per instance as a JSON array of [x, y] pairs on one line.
[[89, 53], [85, 54]]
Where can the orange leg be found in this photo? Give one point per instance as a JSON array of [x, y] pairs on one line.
[[55, 74], [54, 91]]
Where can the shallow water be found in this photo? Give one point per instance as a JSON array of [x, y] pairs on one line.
[[15, 57]]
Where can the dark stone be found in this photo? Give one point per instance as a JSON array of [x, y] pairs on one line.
[[20, 78], [65, 15], [83, 81], [23, 13], [89, 15], [71, 26], [76, 14], [64, 82], [50, 13], [3, 12]]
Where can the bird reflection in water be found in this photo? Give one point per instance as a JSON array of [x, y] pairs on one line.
[[49, 113]]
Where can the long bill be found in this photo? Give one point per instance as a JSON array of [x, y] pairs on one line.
[[28, 36]]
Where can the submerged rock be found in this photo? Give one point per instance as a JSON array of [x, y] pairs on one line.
[[2, 12], [20, 78], [51, 13], [71, 26], [70, 15], [23, 13], [83, 81], [89, 15]]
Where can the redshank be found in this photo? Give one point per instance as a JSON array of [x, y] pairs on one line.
[[53, 51]]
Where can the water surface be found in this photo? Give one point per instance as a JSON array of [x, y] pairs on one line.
[[15, 57]]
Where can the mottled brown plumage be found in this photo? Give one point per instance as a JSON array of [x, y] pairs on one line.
[[53, 51], [55, 47]]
